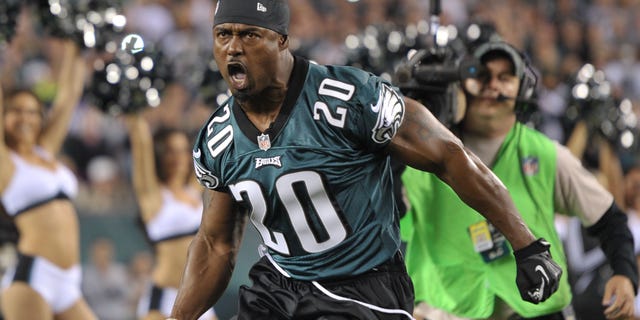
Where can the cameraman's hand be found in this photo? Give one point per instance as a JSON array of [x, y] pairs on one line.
[[537, 274], [619, 298]]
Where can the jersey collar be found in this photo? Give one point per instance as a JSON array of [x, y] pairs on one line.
[[295, 85]]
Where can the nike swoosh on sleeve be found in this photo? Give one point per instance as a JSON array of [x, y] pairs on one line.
[[376, 108]]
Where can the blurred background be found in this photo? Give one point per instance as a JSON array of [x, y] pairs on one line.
[[560, 37]]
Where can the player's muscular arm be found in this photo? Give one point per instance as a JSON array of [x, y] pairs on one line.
[[212, 256], [424, 143]]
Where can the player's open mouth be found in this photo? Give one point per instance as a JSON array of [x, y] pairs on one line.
[[237, 75]]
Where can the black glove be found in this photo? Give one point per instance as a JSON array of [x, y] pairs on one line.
[[537, 274]]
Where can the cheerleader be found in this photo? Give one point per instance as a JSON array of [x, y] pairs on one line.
[[36, 191], [170, 202]]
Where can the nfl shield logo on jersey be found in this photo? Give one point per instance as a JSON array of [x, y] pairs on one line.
[[264, 142], [530, 166]]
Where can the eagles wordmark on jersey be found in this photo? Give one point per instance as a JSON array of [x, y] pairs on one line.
[[318, 183]]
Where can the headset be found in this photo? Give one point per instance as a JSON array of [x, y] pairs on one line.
[[525, 100], [523, 70]]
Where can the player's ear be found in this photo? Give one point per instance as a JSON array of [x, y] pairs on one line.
[[283, 42]]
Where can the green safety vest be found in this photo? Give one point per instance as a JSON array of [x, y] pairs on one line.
[[446, 270]]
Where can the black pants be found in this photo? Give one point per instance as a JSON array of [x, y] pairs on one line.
[[274, 296]]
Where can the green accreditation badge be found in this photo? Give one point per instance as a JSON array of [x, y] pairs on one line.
[[488, 241]]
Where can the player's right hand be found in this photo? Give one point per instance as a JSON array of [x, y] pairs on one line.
[[537, 274]]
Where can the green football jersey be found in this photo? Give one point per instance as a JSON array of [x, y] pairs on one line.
[[317, 182]]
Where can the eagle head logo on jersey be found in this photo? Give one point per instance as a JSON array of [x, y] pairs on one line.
[[206, 178], [390, 115]]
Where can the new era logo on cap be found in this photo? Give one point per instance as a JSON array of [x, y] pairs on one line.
[[268, 14]]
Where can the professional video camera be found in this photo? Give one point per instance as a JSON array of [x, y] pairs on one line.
[[436, 74], [590, 100], [433, 74]]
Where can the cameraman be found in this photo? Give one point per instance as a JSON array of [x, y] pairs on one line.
[[461, 266]]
